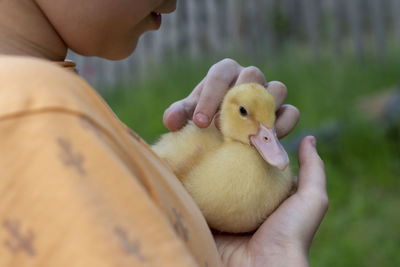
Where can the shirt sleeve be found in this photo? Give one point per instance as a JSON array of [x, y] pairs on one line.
[[67, 197]]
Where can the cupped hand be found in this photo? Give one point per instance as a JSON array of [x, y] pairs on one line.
[[203, 103], [285, 237]]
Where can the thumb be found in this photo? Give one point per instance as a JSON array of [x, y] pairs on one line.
[[312, 171], [311, 188], [297, 219]]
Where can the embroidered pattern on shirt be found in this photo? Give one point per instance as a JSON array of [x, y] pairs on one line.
[[179, 227], [69, 158], [131, 247], [18, 242]]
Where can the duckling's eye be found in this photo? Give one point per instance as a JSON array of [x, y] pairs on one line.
[[242, 111]]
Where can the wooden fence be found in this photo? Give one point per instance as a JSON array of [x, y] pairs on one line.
[[253, 27]]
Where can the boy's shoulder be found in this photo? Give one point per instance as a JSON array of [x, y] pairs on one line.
[[28, 83], [28, 70]]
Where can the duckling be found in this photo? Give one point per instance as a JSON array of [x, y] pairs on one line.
[[183, 149], [239, 175]]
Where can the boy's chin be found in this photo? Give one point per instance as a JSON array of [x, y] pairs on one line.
[[111, 54], [118, 55]]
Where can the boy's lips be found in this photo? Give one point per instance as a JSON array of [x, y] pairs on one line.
[[166, 10], [156, 20]]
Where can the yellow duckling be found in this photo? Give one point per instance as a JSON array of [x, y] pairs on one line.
[[237, 176], [182, 150]]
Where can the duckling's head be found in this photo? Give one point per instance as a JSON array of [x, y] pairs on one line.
[[248, 116]]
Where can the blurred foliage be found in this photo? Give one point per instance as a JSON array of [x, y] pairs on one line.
[[361, 158]]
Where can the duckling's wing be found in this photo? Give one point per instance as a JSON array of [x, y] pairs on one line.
[[236, 189], [183, 149]]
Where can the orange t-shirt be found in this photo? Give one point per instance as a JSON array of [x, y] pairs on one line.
[[78, 187]]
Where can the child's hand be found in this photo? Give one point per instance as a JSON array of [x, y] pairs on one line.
[[202, 104], [285, 237]]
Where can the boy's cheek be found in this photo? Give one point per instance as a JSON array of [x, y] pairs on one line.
[[100, 28]]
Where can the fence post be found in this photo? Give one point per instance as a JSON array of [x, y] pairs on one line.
[[193, 41], [395, 8], [213, 26], [338, 26], [312, 10], [378, 26], [355, 19], [234, 22]]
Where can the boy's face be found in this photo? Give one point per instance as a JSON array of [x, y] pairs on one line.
[[104, 28]]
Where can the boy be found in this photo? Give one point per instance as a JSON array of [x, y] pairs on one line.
[[78, 188]]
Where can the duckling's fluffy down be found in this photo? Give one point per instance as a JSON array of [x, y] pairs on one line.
[[183, 149], [234, 187], [240, 193]]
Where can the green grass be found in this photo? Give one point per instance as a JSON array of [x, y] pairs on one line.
[[361, 227]]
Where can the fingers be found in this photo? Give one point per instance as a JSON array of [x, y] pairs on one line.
[[295, 221], [202, 104], [219, 79], [312, 171], [279, 92], [177, 115], [251, 75], [287, 117]]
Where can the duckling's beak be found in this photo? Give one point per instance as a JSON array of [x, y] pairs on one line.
[[267, 144]]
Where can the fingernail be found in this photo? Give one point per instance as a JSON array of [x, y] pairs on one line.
[[166, 112], [202, 118], [314, 141]]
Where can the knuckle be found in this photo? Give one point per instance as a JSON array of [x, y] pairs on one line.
[[253, 71], [224, 65], [219, 76], [320, 163], [280, 88], [223, 71], [320, 198], [290, 110], [206, 100], [281, 85], [189, 104], [324, 201], [295, 112], [228, 62]]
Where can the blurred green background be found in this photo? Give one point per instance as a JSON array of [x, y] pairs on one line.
[[361, 153]]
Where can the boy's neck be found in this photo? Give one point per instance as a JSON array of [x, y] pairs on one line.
[[25, 30]]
